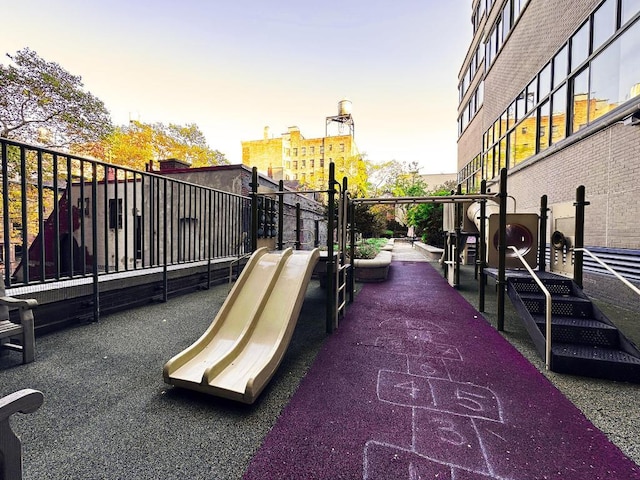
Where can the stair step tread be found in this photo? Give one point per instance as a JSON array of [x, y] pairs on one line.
[[574, 322], [563, 298], [594, 353]]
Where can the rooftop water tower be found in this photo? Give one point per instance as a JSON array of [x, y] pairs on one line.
[[344, 120]]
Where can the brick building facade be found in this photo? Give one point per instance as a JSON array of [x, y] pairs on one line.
[[292, 157], [551, 91]]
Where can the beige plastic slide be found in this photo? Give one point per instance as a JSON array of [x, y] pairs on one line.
[[240, 351]]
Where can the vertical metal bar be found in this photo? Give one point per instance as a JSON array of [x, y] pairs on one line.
[[41, 232], [331, 205], [117, 229], [458, 240], [209, 232], [136, 226], [6, 243], [106, 216], [56, 218], [298, 227], [352, 241], [94, 238], [542, 238], [482, 250], [125, 217], [280, 214], [144, 180], [502, 248], [81, 213], [24, 219], [165, 282], [578, 264], [254, 209]]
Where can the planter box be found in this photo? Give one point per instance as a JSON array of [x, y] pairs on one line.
[[373, 270]]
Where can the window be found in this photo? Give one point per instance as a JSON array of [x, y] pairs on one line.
[[342, 147], [615, 73], [312, 163], [322, 163], [295, 152], [532, 94], [580, 99], [304, 164], [543, 128], [322, 149], [559, 115], [295, 164], [604, 23], [304, 151], [629, 9], [287, 152], [115, 213], [312, 150], [545, 81], [521, 105], [506, 19], [580, 46], [560, 64]]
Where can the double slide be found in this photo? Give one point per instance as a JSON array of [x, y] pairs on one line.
[[240, 351]]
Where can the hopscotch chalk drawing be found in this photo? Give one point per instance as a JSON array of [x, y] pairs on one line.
[[457, 427]]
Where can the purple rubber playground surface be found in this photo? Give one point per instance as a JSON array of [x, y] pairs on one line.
[[415, 384]]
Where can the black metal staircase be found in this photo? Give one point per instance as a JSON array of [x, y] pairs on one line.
[[584, 341]]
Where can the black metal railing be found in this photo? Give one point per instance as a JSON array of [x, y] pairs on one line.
[[65, 216]]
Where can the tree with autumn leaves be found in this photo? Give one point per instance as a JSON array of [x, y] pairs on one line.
[[43, 104]]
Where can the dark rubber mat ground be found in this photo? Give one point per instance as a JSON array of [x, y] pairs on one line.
[[415, 384]]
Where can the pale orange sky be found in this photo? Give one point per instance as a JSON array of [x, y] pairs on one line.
[[235, 67]]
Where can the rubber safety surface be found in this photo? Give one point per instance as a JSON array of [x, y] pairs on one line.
[[415, 384]]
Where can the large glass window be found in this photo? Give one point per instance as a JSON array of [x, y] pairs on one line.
[[544, 87], [604, 23], [580, 100], [630, 63], [521, 105], [511, 156], [629, 9], [532, 94], [580, 46], [615, 73], [560, 63], [543, 128], [559, 115], [511, 115], [506, 19], [605, 80]]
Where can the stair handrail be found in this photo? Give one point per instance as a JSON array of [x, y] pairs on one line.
[[547, 296], [608, 268]]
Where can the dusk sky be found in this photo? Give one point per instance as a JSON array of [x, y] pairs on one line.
[[234, 67]]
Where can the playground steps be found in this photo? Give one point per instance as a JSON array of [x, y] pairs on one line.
[[584, 341]]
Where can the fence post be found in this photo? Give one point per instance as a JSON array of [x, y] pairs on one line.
[[542, 239], [578, 262], [331, 206], [280, 214], [482, 255], [502, 248], [298, 243], [254, 209]]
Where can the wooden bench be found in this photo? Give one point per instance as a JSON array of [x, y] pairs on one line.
[[23, 331], [23, 401]]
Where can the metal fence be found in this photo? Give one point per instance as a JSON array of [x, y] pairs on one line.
[[64, 217]]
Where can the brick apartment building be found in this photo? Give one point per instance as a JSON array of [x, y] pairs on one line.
[[551, 90], [292, 157]]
